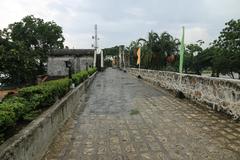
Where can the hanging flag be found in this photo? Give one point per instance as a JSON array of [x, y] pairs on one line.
[[181, 53], [139, 55]]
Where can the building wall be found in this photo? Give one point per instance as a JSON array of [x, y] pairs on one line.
[[83, 61], [57, 66], [218, 93]]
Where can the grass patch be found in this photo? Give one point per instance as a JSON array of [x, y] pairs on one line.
[[134, 112]]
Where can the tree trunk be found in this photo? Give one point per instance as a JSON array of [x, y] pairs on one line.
[[186, 70], [231, 75], [213, 72]]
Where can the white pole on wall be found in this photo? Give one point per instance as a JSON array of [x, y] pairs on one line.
[[102, 59], [94, 58], [120, 58], [124, 65], [95, 37]]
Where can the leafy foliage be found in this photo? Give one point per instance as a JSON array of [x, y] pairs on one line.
[[79, 77], [46, 93], [7, 119], [228, 44], [223, 56], [155, 50], [193, 59], [91, 71], [111, 51], [160, 51], [31, 100], [24, 47], [16, 105]]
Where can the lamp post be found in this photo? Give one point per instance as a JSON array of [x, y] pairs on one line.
[[69, 66], [86, 66]]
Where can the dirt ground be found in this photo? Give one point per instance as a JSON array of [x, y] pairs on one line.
[[5, 92]]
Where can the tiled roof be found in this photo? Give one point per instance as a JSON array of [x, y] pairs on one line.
[[72, 52]]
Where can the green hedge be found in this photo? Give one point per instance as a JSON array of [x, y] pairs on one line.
[[31, 99], [7, 119], [81, 76], [46, 93], [92, 70], [17, 105]]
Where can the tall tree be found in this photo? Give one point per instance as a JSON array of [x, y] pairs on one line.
[[229, 44], [38, 36], [193, 58], [157, 48], [26, 44]]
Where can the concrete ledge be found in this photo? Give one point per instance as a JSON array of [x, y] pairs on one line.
[[32, 142], [218, 93]]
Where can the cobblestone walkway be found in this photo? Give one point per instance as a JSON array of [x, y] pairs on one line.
[[126, 119]]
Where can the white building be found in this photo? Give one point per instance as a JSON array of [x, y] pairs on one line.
[[80, 58]]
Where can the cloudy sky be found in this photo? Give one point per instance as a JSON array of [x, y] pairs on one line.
[[122, 21]]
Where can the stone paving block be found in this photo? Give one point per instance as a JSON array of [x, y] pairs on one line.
[[165, 128]]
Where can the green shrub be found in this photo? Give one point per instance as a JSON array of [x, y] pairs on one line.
[[29, 101], [7, 119], [46, 93], [17, 105], [80, 77], [91, 70], [31, 115]]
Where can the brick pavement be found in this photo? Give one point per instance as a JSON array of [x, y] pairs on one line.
[[164, 128]]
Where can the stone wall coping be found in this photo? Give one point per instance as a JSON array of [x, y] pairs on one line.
[[192, 75]]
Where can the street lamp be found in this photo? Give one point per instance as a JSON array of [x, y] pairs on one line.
[[69, 66], [86, 66]]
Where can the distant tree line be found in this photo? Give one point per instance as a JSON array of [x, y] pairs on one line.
[[161, 51], [24, 47]]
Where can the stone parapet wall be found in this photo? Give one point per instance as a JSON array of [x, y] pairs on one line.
[[32, 142], [218, 93]]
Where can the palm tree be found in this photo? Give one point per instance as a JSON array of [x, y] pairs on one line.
[[155, 49]]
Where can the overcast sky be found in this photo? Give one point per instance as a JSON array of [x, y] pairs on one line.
[[121, 21]]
